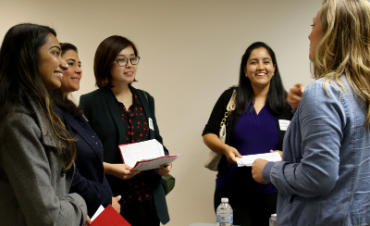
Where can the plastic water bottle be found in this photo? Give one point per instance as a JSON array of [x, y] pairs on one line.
[[224, 213], [273, 220]]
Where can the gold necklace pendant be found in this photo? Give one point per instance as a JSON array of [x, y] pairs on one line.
[[263, 103]]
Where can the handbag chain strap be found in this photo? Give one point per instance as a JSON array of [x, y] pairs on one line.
[[230, 107]]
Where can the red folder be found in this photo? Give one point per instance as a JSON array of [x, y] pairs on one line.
[[110, 217]]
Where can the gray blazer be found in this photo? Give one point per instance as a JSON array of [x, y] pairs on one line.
[[33, 188]]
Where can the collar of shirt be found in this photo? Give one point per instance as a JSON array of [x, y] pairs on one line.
[[135, 99]]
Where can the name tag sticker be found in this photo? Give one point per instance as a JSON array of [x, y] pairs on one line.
[[283, 124], [151, 126]]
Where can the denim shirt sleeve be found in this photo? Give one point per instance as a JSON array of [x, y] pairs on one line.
[[267, 170], [312, 145]]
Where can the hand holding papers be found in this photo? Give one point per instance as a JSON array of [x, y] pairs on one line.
[[155, 163], [247, 160], [145, 155]]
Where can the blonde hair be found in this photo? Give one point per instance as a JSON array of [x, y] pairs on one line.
[[345, 46]]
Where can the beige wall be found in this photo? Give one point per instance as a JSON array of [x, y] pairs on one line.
[[190, 52]]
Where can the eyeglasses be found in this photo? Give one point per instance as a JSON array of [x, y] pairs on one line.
[[122, 62]]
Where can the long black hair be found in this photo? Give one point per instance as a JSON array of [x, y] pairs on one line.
[[57, 95], [276, 97], [20, 80]]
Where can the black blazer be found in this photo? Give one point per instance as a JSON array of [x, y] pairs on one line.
[[101, 109], [89, 179], [218, 113]]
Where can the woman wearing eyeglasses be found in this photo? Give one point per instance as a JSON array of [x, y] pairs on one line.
[[121, 114]]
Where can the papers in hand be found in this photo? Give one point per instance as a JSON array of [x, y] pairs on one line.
[[155, 163], [145, 155], [247, 160], [108, 216]]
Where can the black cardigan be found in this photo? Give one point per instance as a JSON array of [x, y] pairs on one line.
[[101, 109], [89, 180], [218, 113]]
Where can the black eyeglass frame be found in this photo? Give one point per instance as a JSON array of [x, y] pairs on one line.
[[127, 59]]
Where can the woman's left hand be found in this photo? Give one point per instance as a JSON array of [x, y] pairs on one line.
[[164, 170], [257, 169]]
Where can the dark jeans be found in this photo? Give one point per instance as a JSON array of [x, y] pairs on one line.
[[141, 213], [249, 209]]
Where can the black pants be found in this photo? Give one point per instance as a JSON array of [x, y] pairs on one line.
[[249, 209], [140, 213]]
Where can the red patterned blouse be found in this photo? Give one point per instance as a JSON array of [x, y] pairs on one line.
[[135, 122]]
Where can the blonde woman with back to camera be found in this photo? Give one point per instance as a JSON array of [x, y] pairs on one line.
[[324, 176]]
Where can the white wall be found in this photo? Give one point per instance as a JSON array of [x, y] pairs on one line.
[[190, 53]]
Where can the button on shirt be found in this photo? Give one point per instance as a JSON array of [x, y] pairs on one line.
[[92, 133], [135, 122]]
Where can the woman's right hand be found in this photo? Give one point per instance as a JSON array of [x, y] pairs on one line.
[[216, 145], [88, 221], [115, 203], [295, 95], [231, 154], [121, 171], [124, 172]]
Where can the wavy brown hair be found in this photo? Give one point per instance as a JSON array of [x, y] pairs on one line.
[[20, 82], [345, 46], [57, 95]]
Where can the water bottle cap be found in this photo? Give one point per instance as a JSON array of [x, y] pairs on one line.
[[225, 200]]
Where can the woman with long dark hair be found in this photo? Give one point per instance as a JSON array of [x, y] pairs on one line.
[[324, 176], [36, 151], [89, 180], [257, 125], [122, 114]]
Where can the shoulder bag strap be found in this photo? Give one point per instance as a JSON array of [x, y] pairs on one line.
[[229, 108]]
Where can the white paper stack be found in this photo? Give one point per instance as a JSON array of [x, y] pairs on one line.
[[247, 160], [145, 155]]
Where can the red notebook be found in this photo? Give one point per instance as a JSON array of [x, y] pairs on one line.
[[110, 217]]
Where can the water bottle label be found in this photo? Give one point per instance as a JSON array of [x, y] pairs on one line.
[[225, 218], [273, 222]]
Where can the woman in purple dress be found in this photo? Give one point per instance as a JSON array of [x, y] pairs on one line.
[[256, 126]]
